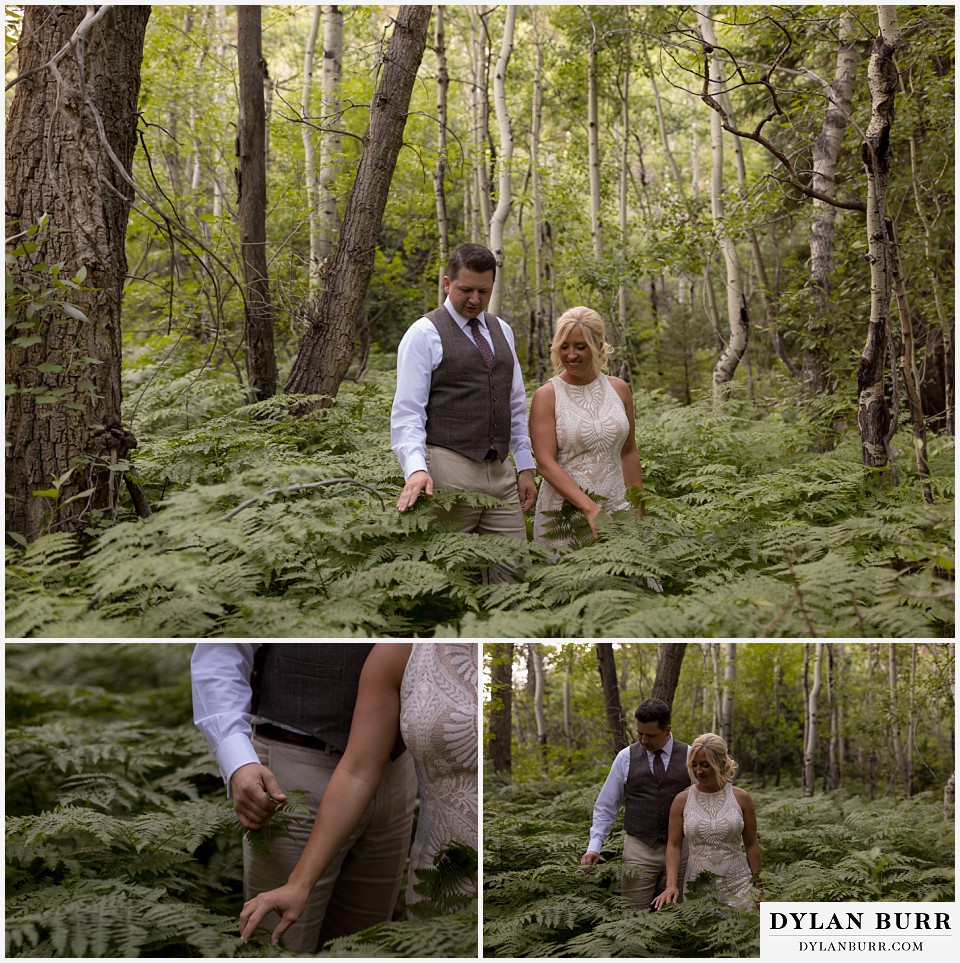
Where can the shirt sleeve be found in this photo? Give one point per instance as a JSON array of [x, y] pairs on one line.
[[609, 801], [519, 433], [418, 355], [220, 678]]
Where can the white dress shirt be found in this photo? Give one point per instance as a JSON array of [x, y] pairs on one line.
[[220, 678], [614, 791], [418, 356]]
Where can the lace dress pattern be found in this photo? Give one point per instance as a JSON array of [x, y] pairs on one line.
[[592, 427], [438, 722], [713, 828]]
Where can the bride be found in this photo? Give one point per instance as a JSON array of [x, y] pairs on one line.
[[582, 429], [426, 694]]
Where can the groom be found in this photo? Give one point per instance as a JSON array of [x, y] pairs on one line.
[[644, 779], [277, 717], [461, 406]]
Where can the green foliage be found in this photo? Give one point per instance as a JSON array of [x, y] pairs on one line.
[[119, 839]]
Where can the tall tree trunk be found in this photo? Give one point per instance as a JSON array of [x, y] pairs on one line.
[[309, 156], [540, 682], [593, 146], [831, 776], [252, 190], [826, 150], [478, 93], [777, 688], [716, 721], [623, 183], [729, 681], [611, 694], [330, 137], [810, 744], [669, 662], [873, 415], [541, 260], [504, 191], [872, 755], [439, 170], [911, 723], [328, 343], [64, 435], [896, 739], [501, 707], [737, 318]]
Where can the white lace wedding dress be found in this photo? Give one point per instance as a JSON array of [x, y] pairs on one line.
[[438, 722], [592, 427], [713, 829]]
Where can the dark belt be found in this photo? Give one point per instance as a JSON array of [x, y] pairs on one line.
[[279, 734]]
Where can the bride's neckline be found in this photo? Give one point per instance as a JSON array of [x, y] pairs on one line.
[[579, 384]]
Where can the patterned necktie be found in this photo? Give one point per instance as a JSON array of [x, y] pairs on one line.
[[481, 341], [658, 765]]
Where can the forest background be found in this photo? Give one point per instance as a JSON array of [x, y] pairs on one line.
[[847, 749], [759, 200]]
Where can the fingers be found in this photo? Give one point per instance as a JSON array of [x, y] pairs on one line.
[[253, 786], [418, 483], [589, 859], [250, 917], [280, 901]]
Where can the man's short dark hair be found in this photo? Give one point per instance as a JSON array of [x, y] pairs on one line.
[[473, 257], [654, 710]]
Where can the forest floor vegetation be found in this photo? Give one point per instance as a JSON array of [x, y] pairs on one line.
[[751, 529]]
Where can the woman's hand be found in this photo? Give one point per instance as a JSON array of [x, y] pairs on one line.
[[288, 902], [592, 514], [670, 895]]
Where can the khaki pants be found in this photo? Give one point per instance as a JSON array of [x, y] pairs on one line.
[[449, 469], [360, 888], [643, 889]]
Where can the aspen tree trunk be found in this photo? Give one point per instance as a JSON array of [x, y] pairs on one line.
[[71, 134], [669, 662], [327, 346], [540, 681], [309, 156], [872, 755], [896, 739], [623, 182], [810, 745], [911, 721], [439, 171], [716, 723], [826, 150], [777, 686], [729, 680], [541, 260], [873, 415], [567, 703], [611, 694], [252, 208], [501, 708], [832, 774], [504, 193], [593, 148], [481, 203], [330, 138], [737, 318]]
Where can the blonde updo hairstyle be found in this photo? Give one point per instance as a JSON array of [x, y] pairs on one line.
[[592, 326], [717, 756]]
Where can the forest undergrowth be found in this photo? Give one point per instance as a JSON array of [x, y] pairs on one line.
[[750, 531], [538, 902], [119, 839]]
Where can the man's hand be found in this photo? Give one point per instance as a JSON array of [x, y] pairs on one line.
[[418, 482], [589, 859], [256, 795], [527, 489]]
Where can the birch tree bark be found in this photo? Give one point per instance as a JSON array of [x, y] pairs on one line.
[[826, 150], [593, 147], [327, 346], [504, 193], [70, 140], [309, 156], [480, 199], [810, 743], [896, 739], [540, 335], [729, 680], [261, 359], [540, 682], [873, 415], [330, 139], [737, 317]]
